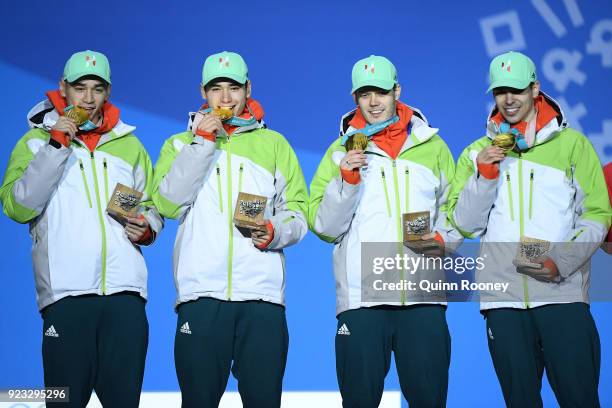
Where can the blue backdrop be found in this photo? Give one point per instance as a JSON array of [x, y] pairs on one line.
[[300, 57]]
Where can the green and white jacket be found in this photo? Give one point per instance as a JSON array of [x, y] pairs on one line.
[[62, 193], [555, 191], [198, 181], [349, 215]]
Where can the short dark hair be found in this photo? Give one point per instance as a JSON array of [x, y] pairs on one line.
[[517, 90], [87, 77], [357, 91], [222, 79]]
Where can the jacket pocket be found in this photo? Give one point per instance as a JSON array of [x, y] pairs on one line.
[[510, 201], [384, 182], [85, 182], [531, 176], [240, 171], [105, 166], [219, 188], [407, 186]]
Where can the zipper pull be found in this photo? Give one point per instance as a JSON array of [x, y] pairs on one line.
[[104, 163], [531, 175], [508, 177], [218, 171], [81, 164]]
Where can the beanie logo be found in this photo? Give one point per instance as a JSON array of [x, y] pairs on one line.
[[370, 68], [90, 60], [224, 62], [507, 66]]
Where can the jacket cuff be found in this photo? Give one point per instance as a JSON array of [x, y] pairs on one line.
[[489, 171], [206, 135], [552, 267], [148, 236], [270, 229], [350, 176], [60, 137]]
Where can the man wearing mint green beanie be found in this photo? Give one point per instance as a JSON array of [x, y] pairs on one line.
[[357, 198], [230, 283], [91, 277], [546, 187]]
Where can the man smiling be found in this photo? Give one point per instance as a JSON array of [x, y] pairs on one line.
[[549, 187], [405, 163], [91, 278], [230, 285]]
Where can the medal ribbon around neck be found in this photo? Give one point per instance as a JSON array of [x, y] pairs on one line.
[[521, 143], [371, 130]]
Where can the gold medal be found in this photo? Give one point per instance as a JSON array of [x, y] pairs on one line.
[[506, 141], [223, 113], [78, 115], [358, 141]]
